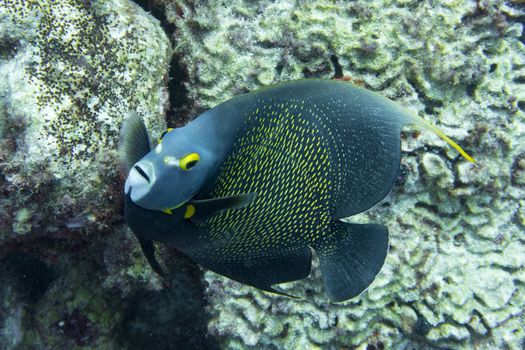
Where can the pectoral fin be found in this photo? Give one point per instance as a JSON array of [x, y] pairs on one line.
[[207, 208]]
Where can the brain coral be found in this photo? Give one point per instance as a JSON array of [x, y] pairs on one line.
[[455, 273], [70, 71]]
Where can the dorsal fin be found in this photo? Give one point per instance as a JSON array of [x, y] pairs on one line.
[[415, 119], [133, 141], [406, 116]]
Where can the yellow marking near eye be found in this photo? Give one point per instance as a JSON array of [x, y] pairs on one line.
[[164, 134], [190, 211], [189, 161], [167, 211], [171, 161]]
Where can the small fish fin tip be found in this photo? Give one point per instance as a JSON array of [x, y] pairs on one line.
[[350, 263], [275, 291], [423, 123], [149, 252]]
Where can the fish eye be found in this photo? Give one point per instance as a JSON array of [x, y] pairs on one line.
[[189, 161], [164, 134]]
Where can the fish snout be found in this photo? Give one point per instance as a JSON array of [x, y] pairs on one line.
[[141, 177]]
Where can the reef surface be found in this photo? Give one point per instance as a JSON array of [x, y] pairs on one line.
[[454, 276], [72, 274]]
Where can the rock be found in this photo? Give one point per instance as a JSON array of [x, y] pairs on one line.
[[70, 71]]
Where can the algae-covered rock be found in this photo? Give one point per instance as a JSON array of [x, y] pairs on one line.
[[69, 72], [454, 274]]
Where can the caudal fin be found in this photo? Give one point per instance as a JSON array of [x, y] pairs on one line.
[[350, 263]]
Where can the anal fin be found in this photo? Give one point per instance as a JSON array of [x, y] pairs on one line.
[[353, 258], [263, 271]]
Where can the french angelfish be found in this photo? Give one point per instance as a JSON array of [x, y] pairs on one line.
[[251, 186]]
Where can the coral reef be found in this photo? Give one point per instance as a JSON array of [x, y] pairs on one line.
[[454, 276], [70, 71], [72, 276], [79, 302]]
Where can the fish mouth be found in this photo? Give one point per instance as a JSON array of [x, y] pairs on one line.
[[130, 192], [141, 178]]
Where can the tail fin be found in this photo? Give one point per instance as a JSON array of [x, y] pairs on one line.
[[423, 123], [354, 258]]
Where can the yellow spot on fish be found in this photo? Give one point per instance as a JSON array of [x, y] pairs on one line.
[[284, 158], [163, 134], [190, 211]]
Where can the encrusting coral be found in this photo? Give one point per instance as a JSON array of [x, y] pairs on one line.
[[70, 72], [454, 276]]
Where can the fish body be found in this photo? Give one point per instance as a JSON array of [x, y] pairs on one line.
[[282, 166]]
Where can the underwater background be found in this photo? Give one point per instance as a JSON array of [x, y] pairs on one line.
[[72, 275]]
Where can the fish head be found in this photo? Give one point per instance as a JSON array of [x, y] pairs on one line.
[[171, 173]]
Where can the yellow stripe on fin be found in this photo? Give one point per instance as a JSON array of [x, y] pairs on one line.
[[423, 123]]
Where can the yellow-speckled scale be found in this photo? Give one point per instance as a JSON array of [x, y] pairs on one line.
[[285, 159]]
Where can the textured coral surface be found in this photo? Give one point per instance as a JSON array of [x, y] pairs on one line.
[[71, 70], [72, 276], [454, 276]]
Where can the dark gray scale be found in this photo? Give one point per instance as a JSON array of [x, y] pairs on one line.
[[280, 167], [367, 150], [291, 180], [292, 203]]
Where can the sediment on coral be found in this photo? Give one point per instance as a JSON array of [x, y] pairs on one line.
[[72, 275], [71, 71]]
